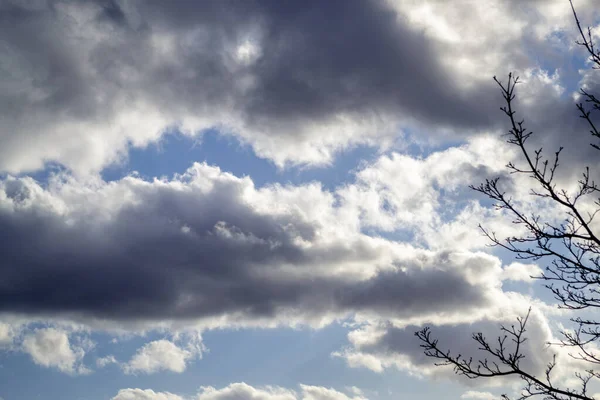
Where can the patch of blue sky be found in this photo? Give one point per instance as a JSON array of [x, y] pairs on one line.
[[552, 60], [50, 383], [41, 176], [280, 357], [177, 152], [420, 144]]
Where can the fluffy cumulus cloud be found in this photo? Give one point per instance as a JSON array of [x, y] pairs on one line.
[[157, 356], [220, 252], [245, 391], [50, 347], [517, 271], [424, 195], [207, 249], [208, 245]]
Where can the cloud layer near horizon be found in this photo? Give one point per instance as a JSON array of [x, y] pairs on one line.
[[244, 391]]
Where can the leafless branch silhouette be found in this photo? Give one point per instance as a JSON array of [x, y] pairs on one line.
[[571, 247]]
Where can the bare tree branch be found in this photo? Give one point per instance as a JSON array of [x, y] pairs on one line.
[[570, 246]]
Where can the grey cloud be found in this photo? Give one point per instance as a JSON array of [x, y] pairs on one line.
[[75, 71], [180, 251], [317, 59], [393, 346]]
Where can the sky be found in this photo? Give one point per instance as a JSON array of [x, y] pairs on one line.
[[232, 200]]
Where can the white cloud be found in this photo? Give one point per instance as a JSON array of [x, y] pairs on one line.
[[475, 395], [50, 347], [159, 355], [429, 197], [243, 391], [321, 393], [517, 271], [147, 394], [107, 360], [504, 28], [8, 333]]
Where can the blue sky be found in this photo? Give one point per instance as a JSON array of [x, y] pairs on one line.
[[263, 200], [176, 153]]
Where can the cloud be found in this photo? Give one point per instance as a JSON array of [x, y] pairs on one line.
[[207, 249], [107, 360], [7, 335], [147, 394], [381, 346], [521, 272], [423, 195], [297, 86], [159, 355], [82, 82], [245, 391], [241, 391], [208, 245], [50, 347], [475, 395], [321, 393]]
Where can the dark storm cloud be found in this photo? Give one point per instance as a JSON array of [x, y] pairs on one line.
[[74, 64], [317, 58], [184, 252]]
